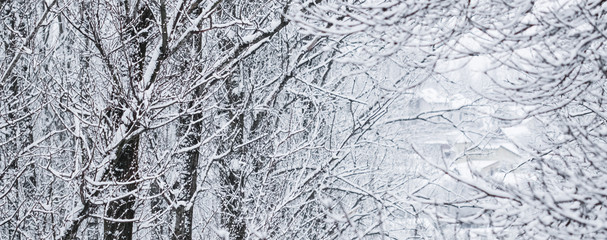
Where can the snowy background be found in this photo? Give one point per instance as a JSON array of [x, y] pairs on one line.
[[379, 119]]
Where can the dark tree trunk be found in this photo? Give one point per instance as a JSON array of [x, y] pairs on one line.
[[123, 168], [190, 127], [232, 177], [188, 177]]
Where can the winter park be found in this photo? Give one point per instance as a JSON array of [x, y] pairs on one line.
[[303, 119]]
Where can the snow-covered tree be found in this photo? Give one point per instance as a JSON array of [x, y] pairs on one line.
[[544, 72], [190, 119], [184, 120]]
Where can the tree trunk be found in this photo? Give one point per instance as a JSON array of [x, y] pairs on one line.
[[123, 168], [231, 176], [188, 177]]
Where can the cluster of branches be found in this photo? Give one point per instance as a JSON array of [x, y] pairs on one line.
[[553, 55], [183, 119], [273, 120]]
